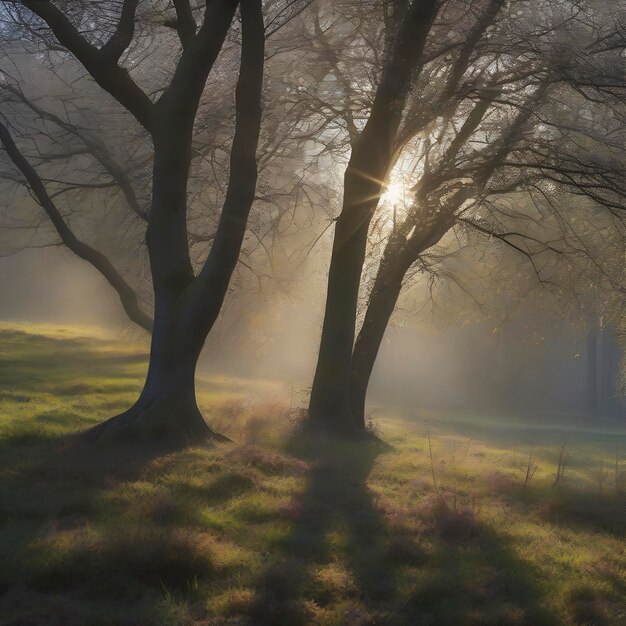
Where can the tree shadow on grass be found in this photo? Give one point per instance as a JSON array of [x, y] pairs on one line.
[[86, 526], [472, 576], [343, 553], [335, 499]]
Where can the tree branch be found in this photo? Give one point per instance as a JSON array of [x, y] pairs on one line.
[[213, 280], [128, 297], [94, 147], [101, 64], [180, 100], [185, 23], [123, 35]]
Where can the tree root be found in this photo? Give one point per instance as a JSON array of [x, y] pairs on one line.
[[171, 423]]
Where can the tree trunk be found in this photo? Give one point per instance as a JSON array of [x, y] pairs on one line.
[[399, 255], [167, 408], [382, 303], [372, 156], [330, 394], [186, 305]]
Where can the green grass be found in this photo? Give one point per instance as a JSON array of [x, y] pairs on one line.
[[277, 529]]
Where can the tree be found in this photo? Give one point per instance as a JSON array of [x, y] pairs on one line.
[[503, 106], [186, 303], [371, 158], [484, 114], [96, 163]]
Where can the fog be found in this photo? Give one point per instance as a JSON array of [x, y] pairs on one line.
[[523, 365], [50, 286], [510, 276], [312, 312]]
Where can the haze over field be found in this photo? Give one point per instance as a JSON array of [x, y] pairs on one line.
[[462, 362], [312, 312]]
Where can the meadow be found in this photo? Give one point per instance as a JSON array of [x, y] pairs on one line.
[[456, 519]]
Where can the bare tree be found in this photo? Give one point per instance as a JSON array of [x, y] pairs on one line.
[[186, 302], [504, 105], [96, 164], [496, 119], [372, 156]]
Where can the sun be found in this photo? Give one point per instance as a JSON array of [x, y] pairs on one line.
[[393, 194]]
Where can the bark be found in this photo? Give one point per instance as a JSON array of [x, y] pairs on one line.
[[396, 261], [400, 253], [330, 402], [102, 63], [186, 306], [382, 302], [167, 408], [372, 156], [210, 287]]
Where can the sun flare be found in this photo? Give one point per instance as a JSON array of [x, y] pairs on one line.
[[393, 194]]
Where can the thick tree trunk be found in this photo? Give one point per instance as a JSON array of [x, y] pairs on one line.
[[166, 409], [186, 306], [330, 394], [330, 405], [382, 303], [372, 156]]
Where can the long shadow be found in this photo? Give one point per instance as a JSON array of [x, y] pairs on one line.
[[473, 577], [398, 576], [87, 528], [63, 486], [49, 467], [336, 498]]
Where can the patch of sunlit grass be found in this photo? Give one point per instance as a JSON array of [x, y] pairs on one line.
[[290, 530]]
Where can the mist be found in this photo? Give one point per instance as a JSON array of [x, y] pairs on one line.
[[522, 365], [312, 312]]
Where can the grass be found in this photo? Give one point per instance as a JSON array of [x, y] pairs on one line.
[[277, 529]]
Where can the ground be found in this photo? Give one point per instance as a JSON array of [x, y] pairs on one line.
[[276, 528]]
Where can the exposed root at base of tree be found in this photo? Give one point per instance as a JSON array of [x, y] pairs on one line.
[[157, 421]]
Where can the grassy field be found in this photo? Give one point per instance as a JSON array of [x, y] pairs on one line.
[[439, 528]]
